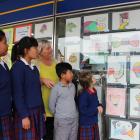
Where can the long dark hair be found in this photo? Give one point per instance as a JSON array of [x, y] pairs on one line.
[[19, 47]]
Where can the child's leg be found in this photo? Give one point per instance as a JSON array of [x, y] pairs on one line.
[[49, 128], [74, 129], [62, 129]]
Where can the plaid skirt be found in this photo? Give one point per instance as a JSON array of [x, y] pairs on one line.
[[90, 132], [6, 130], [37, 129]]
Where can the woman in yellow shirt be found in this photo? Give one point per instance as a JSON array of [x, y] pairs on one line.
[[48, 77]]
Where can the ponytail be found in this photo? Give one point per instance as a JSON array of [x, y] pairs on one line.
[[18, 49], [14, 54]]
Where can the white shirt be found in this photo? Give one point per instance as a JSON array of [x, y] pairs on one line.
[[2, 63], [26, 63]]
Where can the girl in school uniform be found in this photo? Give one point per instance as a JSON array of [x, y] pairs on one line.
[[5, 94], [89, 108], [29, 118]]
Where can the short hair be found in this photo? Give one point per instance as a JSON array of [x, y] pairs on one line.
[[85, 78], [2, 35], [42, 44], [62, 68]]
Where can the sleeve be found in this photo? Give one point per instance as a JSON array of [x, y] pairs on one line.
[[84, 107], [99, 104], [53, 99], [42, 107], [17, 75]]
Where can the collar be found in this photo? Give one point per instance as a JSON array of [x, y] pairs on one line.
[[26, 63], [63, 85], [2, 63], [91, 92]]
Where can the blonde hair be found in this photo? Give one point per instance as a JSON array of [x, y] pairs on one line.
[[42, 44]]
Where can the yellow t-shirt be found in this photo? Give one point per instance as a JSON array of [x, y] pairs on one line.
[[49, 73]]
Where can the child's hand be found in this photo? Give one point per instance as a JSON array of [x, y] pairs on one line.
[[26, 123], [100, 109]]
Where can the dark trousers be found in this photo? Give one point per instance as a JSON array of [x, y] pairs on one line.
[[49, 128]]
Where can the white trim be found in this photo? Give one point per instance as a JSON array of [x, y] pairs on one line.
[[26, 63]]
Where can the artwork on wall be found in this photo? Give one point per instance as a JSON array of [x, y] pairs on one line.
[[72, 56], [135, 70], [95, 43], [96, 23], [134, 103], [116, 70], [22, 31], [116, 101], [125, 42], [43, 30], [9, 32], [126, 20], [124, 130], [73, 27]]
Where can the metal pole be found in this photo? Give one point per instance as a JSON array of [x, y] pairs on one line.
[[54, 27]]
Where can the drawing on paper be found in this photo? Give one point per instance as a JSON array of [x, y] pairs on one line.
[[134, 103], [116, 71], [124, 20], [135, 69], [124, 130], [115, 101], [96, 23]]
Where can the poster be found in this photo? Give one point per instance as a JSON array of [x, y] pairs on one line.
[[116, 70], [100, 43], [124, 130], [22, 31], [95, 43], [125, 41], [72, 56], [61, 49], [135, 70], [73, 27], [126, 20], [115, 101], [44, 30], [134, 101], [9, 32], [96, 23]]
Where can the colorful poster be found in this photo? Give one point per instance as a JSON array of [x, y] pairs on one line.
[[124, 130], [126, 20], [96, 23], [72, 56], [134, 101], [116, 70], [125, 41], [43, 30], [135, 70], [22, 31], [73, 27], [115, 101], [9, 32]]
